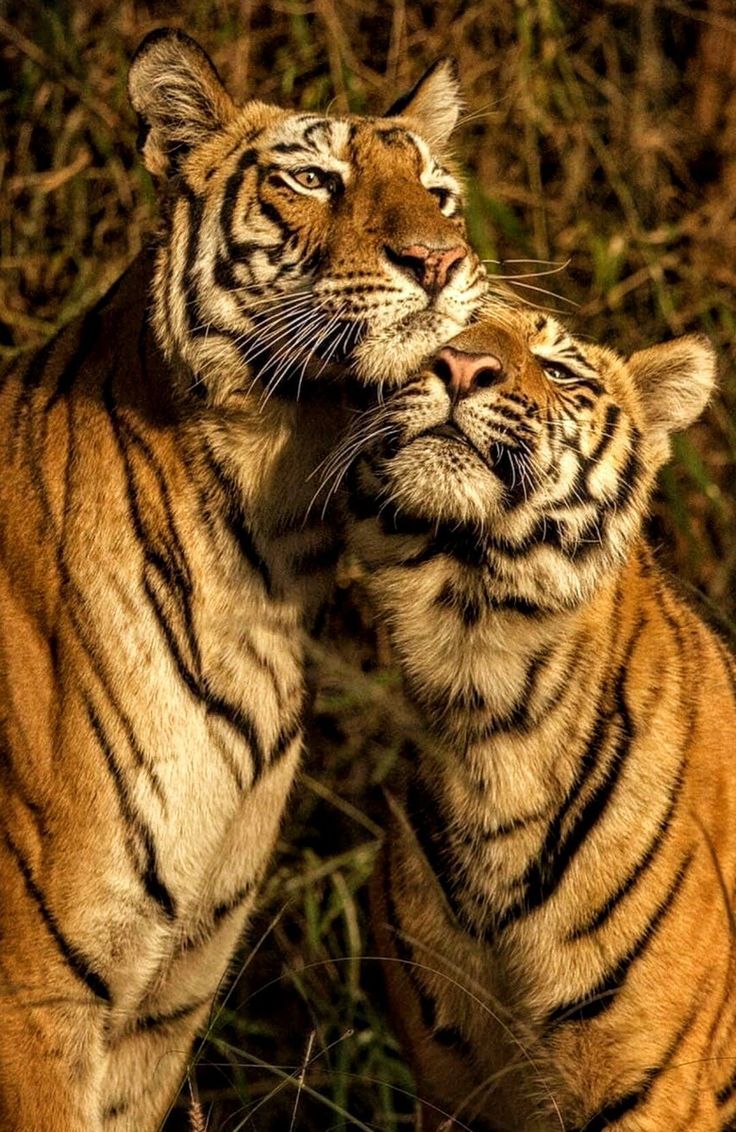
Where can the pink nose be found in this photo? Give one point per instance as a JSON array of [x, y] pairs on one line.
[[430, 266], [464, 373]]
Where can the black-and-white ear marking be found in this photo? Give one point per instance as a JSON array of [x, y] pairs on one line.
[[675, 381], [434, 104], [178, 96]]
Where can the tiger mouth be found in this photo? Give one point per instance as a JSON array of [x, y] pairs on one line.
[[504, 460], [448, 431]]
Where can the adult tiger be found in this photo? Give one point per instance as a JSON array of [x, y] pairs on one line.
[[157, 567], [557, 890]]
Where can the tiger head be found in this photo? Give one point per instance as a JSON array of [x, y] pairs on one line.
[[293, 242], [526, 452]]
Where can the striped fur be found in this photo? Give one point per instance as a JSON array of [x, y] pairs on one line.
[[556, 896], [160, 566]]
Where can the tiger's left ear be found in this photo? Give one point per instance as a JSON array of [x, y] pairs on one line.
[[675, 381], [432, 106], [178, 97]]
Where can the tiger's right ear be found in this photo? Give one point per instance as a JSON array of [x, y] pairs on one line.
[[675, 381], [433, 106], [178, 96]]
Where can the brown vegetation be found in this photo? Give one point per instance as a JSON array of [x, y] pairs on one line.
[[600, 144]]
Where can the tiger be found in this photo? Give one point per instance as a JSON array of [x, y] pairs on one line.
[[161, 564], [555, 897]]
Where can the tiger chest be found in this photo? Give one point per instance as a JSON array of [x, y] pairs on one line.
[[194, 718]]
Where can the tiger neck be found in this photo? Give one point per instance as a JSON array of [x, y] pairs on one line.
[[485, 690], [260, 454]]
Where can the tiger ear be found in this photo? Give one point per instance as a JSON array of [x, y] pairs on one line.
[[675, 381], [432, 106], [178, 96]]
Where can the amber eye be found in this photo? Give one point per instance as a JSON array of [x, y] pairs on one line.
[[313, 178], [558, 373]]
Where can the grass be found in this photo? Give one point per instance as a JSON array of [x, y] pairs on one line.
[[599, 136]]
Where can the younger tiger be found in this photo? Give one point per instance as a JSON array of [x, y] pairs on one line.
[[159, 563], [556, 896]]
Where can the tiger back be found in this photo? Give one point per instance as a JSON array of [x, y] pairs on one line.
[[556, 893], [161, 563]]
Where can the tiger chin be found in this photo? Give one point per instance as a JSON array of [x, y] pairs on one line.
[[556, 892], [161, 565]]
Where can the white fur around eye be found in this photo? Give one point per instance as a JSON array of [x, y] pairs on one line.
[[444, 188]]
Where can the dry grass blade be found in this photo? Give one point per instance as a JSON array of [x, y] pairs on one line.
[[301, 1078]]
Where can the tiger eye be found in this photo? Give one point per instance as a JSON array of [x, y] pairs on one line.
[[310, 178]]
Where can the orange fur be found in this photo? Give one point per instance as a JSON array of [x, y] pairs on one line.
[[161, 565], [557, 892]]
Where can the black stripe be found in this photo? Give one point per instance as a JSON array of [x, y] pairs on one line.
[[467, 544], [239, 719], [74, 958], [226, 907], [515, 604], [189, 285], [284, 740], [204, 934], [628, 479], [170, 567], [520, 717], [608, 434], [75, 601], [611, 727], [602, 914], [322, 129], [429, 826], [400, 105], [88, 337], [598, 918], [150, 877], [160, 1021], [167, 576], [616, 1109], [727, 1091], [395, 136], [13, 782], [469, 607], [287, 147], [237, 523], [601, 997], [139, 756], [475, 835], [272, 213], [729, 663], [30, 381], [237, 250]]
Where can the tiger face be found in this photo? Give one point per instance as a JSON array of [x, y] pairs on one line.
[[527, 452], [293, 242]]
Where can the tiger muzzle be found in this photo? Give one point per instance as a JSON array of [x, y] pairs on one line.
[[431, 267]]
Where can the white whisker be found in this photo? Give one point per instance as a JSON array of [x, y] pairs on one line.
[[531, 287]]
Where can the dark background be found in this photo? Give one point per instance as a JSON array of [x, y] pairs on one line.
[[601, 139]]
